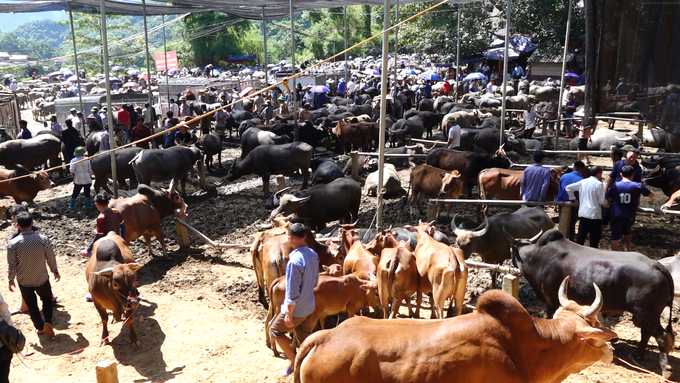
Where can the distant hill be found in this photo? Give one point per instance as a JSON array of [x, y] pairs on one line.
[[46, 31]]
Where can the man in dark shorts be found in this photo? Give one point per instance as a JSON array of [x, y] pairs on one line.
[[616, 155], [624, 196], [302, 276], [584, 132], [108, 220]]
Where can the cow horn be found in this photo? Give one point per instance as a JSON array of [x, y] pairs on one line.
[[297, 199], [171, 188], [456, 230], [562, 292], [283, 190], [535, 237], [510, 238], [107, 272], [410, 146], [595, 308], [432, 223], [627, 138], [480, 233]]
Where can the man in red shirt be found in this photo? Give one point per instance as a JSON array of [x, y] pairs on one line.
[[124, 117], [108, 220], [446, 89], [139, 132]]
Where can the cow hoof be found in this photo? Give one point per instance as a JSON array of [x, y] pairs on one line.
[[136, 343]]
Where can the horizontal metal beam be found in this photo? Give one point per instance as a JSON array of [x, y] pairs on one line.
[[394, 155], [208, 240], [495, 267], [499, 202], [573, 152]]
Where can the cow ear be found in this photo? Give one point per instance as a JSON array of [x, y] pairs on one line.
[[108, 272], [134, 266], [443, 174]]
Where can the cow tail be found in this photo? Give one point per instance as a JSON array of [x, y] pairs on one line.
[[305, 348], [392, 273], [669, 278], [408, 192], [254, 252]]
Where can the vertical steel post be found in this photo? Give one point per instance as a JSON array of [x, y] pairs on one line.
[[383, 111], [346, 69], [109, 110], [75, 55], [505, 70], [148, 71], [292, 58], [564, 68], [266, 58], [396, 52], [165, 58], [458, 50]]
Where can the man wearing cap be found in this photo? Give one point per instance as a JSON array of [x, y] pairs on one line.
[[453, 132], [55, 125], [268, 112], [283, 107], [3, 134], [630, 160], [95, 112], [184, 109], [104, 116], [93, 124], [73, 117]]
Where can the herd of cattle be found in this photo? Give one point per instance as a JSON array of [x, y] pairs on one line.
[[378, 269]]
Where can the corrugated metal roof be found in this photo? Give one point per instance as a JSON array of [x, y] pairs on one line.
[[537, 57]]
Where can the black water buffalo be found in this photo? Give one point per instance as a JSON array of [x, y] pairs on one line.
[[340, 116], [488, 139], [247, 124], [426, 104], [404, 162], [254, 137], [523, 223], [340, 101], [430, 120], [32, 152], [92, 142], [241, 115], [468, 164], [604, 139], [629, 282], [358, 110], [101, 167], [665, 176], [325, 170], [211, 144], [312, 204], [70, 140], [274, 159], [167, 164], [412, 127]]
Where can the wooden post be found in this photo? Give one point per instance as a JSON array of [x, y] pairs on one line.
[[431, 212], [355, 166], [107, 371], [641, 125], [201, 174], [182, 235], [281, 181], [511, 285], [565, 218]]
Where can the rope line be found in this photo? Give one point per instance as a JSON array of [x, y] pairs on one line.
[[283, 82]]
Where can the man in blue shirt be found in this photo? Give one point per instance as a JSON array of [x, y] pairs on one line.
[[625, 198], [630, 160], [342, 86], [169, 137], [535, 180], [302, 276], [579, 171]]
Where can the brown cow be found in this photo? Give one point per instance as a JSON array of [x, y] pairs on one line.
[[500, 342], [23, 189], [673, 202], [111, 274], [144, 212], [504, 184], [280, 226], [434, 183], [441, 271], [354, 134], [397, 278]]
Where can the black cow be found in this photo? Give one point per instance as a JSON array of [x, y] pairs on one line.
[[665, 176], [358, 110], [274, 159], [430, 120], [167, 164], [412, 127], [426, 104], [101, 167], [211, 144], [404, 162], [629, 282], [325, 170], [32, 152], [488, 139], [254, 137], [468, 164], [247, 124], [92, 142], [313, 204]]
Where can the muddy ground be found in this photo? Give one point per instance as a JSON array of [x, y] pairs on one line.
[[200, 320]]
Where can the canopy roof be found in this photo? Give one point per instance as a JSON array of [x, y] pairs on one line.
[[247, 9]]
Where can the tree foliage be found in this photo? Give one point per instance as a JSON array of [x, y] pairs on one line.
[[228, 41], [36, 50], [47, 31]]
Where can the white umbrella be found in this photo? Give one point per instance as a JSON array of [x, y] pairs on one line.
[[259, 73]]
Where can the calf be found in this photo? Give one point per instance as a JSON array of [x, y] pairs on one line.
[[441, 271], [144, 212], [391, 182], [23, 189], [211, 144], [434, 183], [398, 278], [111, 276], [500, 342]]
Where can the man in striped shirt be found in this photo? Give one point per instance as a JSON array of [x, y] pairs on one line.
[[27, 255]]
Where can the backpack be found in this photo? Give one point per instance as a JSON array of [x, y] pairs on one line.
[[11, 337]]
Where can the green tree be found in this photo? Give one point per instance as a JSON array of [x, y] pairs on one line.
[[48, 31], [36, 50], [227, 41]]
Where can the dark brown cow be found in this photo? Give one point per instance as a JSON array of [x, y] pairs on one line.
[[434, 183], [504, 184], [354, 134], [23, 189], [144, 212], [280, 226], [500, 342], [111, 274]]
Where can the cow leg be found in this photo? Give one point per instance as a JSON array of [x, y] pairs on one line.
[[158, 233], [147, 238], [130, 317], [104, 316], [644, 339], [494, 277], [265, 185], [666, 342], [419, 300], [305, 177]]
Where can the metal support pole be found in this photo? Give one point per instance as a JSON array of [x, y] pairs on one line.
[[383, 111], [148, 71], [109, 110], [458, 51], [75, 55], [564, 68], [346, 69], [505, 70], [266, 58], [165, 57], [396, 52], [292, 59]]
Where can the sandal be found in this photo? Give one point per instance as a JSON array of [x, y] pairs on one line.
[[17, 310]]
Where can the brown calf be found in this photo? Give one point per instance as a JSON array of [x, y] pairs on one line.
[[23, 189], [434, 183], [504, 184]]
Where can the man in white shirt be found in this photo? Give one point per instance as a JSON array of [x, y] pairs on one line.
[[351, 86], [453, 133], [592, 199], [529, 122], [13, 86], [105, 117], [174, 108]]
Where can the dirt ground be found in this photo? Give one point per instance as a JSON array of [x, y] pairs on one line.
[[200, 320]]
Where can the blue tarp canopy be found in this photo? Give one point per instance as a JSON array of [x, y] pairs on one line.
[[239, 59]]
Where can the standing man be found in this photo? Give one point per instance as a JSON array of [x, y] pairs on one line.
[[624, 196], [550, 115], [592, 199], [576, 175], [529, 122], [140, 131], [25, 133], [569, 111], [73, 116], [184, 109], [79, 124], [27, 255], [55, 125], [342, 87], [104, 115], [302, 275], [453, 133], [173, 107], [535, 180], [149, 114], [4, 137], [584, 132], [630, 160], [305, 115]]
